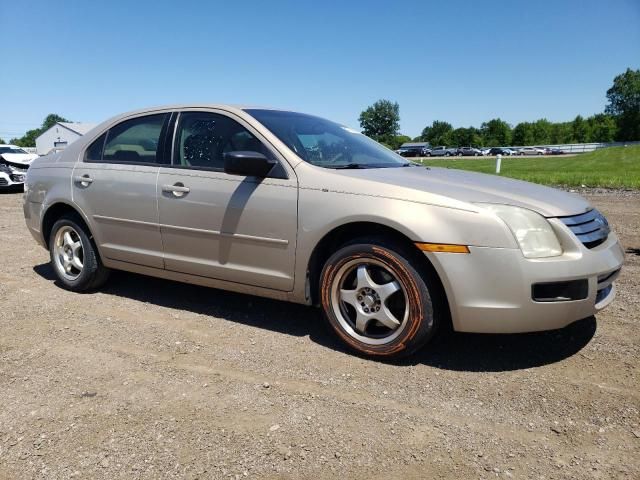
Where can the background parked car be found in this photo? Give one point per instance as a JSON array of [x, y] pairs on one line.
[[413, 149], [499, 151], [410, 151], [14, 162], [531, 151], [442, 151], [468, 152], [553, 151]]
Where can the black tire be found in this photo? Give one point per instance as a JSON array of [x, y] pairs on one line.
[[93, 273], [420, 322]]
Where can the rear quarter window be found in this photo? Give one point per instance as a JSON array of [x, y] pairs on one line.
[[94, 152]]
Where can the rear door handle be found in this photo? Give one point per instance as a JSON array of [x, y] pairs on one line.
[[84, 180], [177, 189]]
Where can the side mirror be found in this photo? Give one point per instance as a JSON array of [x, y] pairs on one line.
[[250, 164]]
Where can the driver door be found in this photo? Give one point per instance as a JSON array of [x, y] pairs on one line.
[[228, 227]]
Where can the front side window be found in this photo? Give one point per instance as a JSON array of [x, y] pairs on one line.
[[132, 141], [324, 143], [203, 138]]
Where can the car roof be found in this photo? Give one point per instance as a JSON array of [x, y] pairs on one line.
[[221, 106], [239, 110]]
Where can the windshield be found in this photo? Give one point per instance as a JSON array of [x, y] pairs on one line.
[[11, 150], [324, 143]]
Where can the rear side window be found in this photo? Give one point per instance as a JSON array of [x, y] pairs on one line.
[[132, 141]]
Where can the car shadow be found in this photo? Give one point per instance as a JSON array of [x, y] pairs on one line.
[[450, 351], [633, 251], [12, 189], [476, 352], [278, 316]]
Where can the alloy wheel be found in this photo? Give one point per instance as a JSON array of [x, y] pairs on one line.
[[68, 253], [369, 302]]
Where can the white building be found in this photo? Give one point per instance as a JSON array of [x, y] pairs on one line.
[[61, 135]]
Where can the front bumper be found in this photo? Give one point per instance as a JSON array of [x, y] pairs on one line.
[[10, 179], [490, 289]]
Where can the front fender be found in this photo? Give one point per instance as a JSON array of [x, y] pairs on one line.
[[417, 221]]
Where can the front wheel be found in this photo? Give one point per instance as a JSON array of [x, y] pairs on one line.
[[375, 299], [74, 257]]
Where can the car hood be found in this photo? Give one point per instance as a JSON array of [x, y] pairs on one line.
[[469, 187], [19, 158]]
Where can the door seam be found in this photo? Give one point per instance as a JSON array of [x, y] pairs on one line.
[[164, 265]]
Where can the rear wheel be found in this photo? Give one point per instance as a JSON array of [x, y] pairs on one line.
[[74, 257], [375, 299]]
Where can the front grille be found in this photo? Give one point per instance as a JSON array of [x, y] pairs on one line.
[[3, 182], [591, 227]]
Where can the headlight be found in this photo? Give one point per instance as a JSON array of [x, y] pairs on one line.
[[532, 231]]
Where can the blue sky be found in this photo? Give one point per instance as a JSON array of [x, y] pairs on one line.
[[459, 61]]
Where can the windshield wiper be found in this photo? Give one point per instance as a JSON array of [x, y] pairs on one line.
[[349, 166], [357, 166], [413, 164]]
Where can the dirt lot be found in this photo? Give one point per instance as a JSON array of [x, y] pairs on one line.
[[154, 379]]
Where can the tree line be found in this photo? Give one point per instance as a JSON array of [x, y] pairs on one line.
[[619, 122], [496, 132], [29, 138]]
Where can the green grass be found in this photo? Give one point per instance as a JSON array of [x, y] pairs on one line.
[[615, 167]]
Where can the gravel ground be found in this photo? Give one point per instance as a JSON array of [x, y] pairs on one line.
[[155, 379]]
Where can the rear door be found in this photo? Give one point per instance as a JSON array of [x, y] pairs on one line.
[[115, 187], [229, 227]]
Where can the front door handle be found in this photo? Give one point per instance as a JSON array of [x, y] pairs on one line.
[[85, 180], [177, 189]]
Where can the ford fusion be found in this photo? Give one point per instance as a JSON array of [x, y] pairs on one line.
[[294, 207]]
